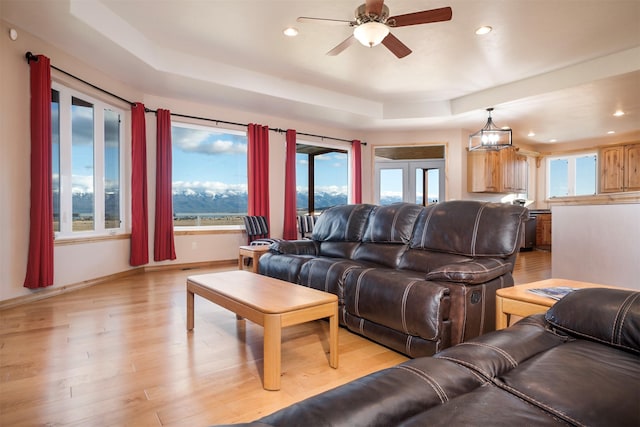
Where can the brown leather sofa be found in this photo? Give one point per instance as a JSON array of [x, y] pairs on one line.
[[416, 279], [578, 365]]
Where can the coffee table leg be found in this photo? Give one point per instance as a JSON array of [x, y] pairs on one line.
[[189, 310], [272, 351]]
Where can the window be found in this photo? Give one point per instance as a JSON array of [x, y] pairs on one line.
[[572, 175], [322, 176], [209, 176], [87, 159]]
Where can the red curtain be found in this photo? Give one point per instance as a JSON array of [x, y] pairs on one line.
[[139, 212], [40, 257], [258, 169], [356, 170], [163, 247], [290, 231]]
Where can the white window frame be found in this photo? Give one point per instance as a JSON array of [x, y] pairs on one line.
[[66, 196], [571, 172]]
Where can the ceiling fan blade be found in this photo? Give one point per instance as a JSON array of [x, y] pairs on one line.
[[307, 19], [396, 47], [424, 17], [342, 46], [374, 7]]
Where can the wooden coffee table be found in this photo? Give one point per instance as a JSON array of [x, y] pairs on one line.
[[517, 301], [271, 303]]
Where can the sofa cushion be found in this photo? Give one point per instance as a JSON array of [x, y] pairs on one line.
[[581, 382], [494, 354], [609, 316], [345, 223], [384, 398], [478, 270], [400, 300], [470, 228], [392, 223], [327, 274], [426, 261], [282, 266], [382, 254]]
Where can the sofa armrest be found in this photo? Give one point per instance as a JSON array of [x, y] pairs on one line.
[[474, 271], [295, 247]]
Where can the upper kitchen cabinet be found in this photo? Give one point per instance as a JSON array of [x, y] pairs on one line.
[[619, 168], [490, 171]]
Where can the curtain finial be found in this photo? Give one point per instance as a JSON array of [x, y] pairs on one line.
[[31, 57]]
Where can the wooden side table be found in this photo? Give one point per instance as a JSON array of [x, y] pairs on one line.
[[253, 253], [517, 301]]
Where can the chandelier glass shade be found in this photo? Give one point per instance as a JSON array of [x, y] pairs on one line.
[[490, 137], [371, 33]]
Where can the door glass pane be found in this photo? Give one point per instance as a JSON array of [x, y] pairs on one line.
[[558, 177], [586, 175], [55, 157], [390, 186], [111, 169], [82, 183], [433, 185], [420, 181]]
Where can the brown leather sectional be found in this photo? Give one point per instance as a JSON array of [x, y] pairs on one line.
[[578, 365], [416, 279]]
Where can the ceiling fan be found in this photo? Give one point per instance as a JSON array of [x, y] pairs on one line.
[[372, 23]]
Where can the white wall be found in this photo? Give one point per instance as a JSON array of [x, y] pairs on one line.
[[597, 243]]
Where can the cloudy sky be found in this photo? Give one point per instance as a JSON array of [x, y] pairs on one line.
[[212, 160]]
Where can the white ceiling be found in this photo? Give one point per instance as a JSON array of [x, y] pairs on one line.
[[557, 68]]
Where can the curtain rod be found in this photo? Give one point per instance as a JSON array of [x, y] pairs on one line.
[[31, 57]]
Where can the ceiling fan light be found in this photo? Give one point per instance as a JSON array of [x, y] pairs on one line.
[[371, 34]]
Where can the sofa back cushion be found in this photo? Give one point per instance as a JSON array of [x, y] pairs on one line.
[[392, 223], [345, 223], [383, 254], [608, 316], [470, 228]]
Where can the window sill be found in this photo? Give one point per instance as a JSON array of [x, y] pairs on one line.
[[596, 199], [62, 241], [221, 229]]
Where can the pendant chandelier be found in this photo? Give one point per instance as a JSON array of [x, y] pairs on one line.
[[490, 137]]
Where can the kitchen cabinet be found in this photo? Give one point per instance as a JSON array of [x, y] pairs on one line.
[[619, 168], [503, 171], [483, 172], [543, 230]]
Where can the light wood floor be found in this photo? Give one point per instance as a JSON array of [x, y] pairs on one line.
[[118, 354]]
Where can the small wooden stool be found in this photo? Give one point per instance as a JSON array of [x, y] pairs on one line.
[[253, 253]]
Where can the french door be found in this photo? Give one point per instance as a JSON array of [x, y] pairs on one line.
[[420, 181]]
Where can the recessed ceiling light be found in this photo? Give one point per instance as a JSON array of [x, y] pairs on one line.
[[290, 32], [531, 134], [618, 113], [611, 132], [485, 29]]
